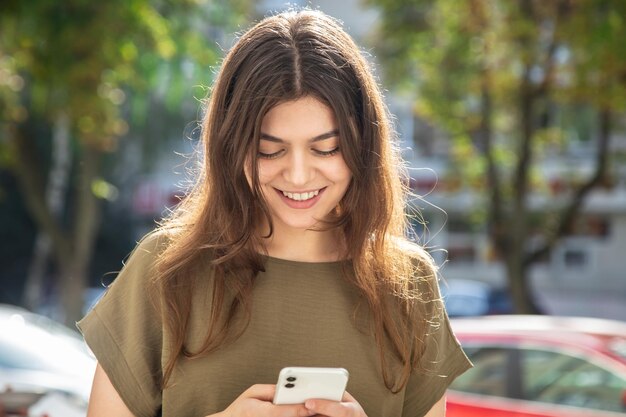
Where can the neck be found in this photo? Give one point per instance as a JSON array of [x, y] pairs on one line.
[[305, 245]]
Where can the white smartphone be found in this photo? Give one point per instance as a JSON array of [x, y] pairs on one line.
[[297, 384]]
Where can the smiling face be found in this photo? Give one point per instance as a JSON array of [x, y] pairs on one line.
[[302, 173]]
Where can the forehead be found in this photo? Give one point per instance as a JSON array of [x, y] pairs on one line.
[[305, 117]]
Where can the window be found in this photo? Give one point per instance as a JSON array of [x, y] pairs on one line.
[[545, 376], [489, 375], [575, 258], [559, 378]]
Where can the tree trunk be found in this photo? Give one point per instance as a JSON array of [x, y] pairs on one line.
[[30, 181], [508, 237], [33, 296], [72, 288], [75, 272], [72, 252], [521, 294], [496, 222], [56, 191], [517, 229]]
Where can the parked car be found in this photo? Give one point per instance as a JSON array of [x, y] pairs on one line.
[[41, 359], [465, 297], [540, 366]]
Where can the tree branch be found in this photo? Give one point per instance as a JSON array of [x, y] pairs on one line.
[[572, 210], [563, 8], [520, 179]]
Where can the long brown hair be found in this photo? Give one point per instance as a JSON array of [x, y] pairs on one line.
[[286, 57]]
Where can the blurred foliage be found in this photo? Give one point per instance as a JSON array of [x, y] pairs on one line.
[[511, 84], [443, 52], [115, 70], [88, 58]]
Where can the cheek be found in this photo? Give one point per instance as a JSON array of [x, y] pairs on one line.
[[339, 172], [267, 171]]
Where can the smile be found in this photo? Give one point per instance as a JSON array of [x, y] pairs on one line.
[[301, 196]]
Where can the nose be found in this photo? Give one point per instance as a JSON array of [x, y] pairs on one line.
[[299, 170]]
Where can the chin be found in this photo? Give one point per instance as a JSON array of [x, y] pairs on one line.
[[300, 224]]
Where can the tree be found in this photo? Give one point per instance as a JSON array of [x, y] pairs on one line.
[[74, 76], [494, 75]]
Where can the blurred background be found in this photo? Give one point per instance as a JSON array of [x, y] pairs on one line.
[[510, 115]]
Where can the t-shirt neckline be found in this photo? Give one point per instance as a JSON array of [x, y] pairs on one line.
[[290, 262]]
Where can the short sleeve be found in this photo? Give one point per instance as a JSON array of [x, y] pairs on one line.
[[124, 331], [443, 360]]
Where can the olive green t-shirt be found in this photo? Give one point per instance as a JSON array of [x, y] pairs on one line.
[[302, 315]]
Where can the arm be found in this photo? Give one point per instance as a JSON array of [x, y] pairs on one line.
[[104, 400], [439, 409]]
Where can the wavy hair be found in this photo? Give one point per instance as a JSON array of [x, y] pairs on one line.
[[285, 57]]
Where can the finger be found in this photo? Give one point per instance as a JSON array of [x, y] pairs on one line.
[[291, 410], [347, 397], [263, 392], [295, 410], [329, 408]]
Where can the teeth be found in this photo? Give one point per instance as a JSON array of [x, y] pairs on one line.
[[301, 196]]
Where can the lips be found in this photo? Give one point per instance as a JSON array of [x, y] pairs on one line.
[[300, 200], [301, 196]]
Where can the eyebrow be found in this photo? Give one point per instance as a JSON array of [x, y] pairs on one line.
[[323, 136]]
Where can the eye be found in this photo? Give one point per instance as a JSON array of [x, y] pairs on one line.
[[270, 155], [327, 153], [269, 149]]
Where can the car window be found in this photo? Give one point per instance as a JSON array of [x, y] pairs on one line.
[[489, 374], [559, 378]]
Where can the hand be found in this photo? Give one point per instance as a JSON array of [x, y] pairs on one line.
[[257, 401], [348, 407]]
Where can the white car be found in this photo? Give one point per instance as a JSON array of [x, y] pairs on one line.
[[43, 365]]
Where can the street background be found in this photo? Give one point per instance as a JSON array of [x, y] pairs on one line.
[[510, 116]]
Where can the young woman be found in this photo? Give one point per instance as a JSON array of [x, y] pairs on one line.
[[289, 251]]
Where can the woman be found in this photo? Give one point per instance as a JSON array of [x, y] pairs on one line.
[[289, 251]]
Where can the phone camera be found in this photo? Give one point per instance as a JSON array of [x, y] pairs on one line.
[[291, 378], [290, 385]]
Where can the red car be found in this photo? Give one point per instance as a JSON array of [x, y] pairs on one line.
[[540, 366]]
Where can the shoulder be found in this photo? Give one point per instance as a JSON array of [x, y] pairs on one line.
[[154, 242], [140, 265], [418, 255], [148, 249], [423, 271]]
